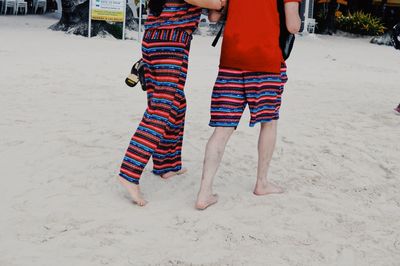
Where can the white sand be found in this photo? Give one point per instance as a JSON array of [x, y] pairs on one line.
[[67, 117]]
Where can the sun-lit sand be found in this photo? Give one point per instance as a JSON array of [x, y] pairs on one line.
[[67, 117]]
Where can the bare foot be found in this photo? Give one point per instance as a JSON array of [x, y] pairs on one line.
[[265, 188], [205, 200], [134, 191], [171, 174]]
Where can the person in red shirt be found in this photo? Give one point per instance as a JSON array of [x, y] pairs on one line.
[[252, 72]]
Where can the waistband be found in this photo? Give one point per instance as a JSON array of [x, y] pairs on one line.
[[173, 35]]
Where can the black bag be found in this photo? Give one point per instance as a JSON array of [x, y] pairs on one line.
[[286, 39], [396, 36], [137, 75]]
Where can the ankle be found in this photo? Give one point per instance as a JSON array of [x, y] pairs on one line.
[[262, 181], [205, 190]]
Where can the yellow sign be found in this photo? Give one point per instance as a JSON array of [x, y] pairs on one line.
[[109, 10], [115, 16]]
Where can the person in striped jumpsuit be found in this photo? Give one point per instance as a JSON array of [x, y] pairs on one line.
[[165, 49]]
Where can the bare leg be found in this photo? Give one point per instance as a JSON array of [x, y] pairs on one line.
[[266, 146], [134, 191], [213, 156]]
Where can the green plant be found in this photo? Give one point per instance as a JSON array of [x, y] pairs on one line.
[[360, 23]]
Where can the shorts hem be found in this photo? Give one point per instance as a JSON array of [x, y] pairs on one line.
[[166, 170], [219, 124], [263, 121]]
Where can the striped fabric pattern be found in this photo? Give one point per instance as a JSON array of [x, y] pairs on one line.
[[160, 133], [234, 89], [177, 14]]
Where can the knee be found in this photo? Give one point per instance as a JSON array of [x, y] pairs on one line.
[[269, 125], [223, 133]]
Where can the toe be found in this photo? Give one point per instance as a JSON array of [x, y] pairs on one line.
[[141, 203]]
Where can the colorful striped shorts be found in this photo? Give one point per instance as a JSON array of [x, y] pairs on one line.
[[234, 89]]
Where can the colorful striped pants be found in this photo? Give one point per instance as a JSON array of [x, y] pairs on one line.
[[160, 133]]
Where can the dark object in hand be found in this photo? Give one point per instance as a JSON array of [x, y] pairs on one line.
[[137, 75], [286, 39]]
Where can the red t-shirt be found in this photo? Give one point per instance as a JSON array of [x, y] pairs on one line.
[[251, 36]]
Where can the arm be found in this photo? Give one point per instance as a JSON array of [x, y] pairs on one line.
[[293, 21], [209, 4], [214, 15]]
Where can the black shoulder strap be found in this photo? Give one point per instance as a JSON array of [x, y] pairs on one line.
[[216, 39], [225, 17]]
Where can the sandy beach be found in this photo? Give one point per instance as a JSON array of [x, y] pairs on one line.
[[67, 117]]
